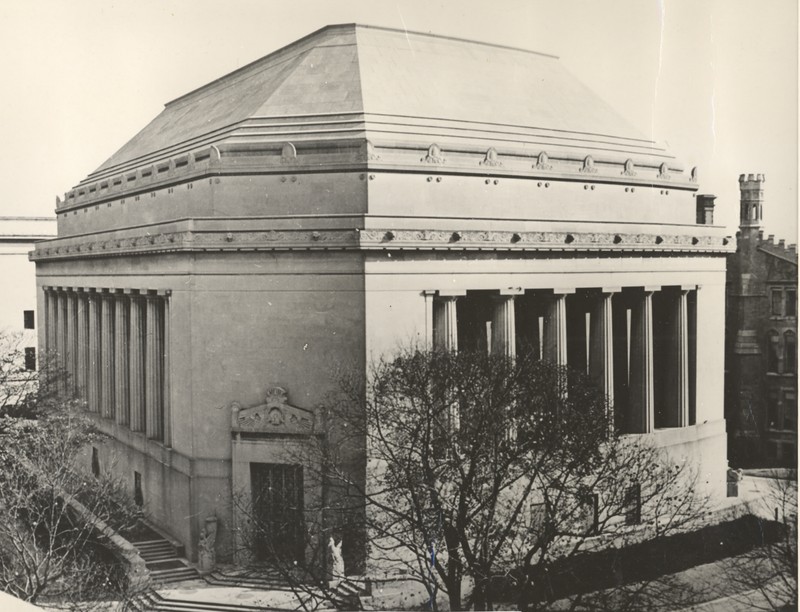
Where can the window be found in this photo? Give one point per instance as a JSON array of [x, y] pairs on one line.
[[777, 302], [789, 352], [589, 512], [95, 462], [633, 504], [783, 302], [28, 321], [30, 358], [791, 302], [138, 497], [773, 351], [789, 411], [538, 518], [773, 410]]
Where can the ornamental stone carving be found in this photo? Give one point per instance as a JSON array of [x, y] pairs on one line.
[[434, 155], [693, 176], [275, 415], [588, 165], [491, 158], [368, 151], [663, 172], [365, 238], [288, 153], [628, 168], [542, 162]]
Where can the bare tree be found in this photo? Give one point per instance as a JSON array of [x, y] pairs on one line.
[[765, 577], [480, 469], [50, 509], [488, 470]]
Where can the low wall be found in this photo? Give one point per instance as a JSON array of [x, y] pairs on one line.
[[135, 569]]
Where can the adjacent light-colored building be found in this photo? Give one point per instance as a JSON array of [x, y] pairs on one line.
[[18, 284], [761, 352], [360, 188]]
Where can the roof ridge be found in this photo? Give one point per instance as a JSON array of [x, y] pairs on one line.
[[446, 37], [263, 59], [297, 63]]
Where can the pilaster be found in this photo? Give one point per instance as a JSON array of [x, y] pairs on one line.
[[154, 351]]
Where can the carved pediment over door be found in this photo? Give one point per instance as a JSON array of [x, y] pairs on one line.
[[274, 416]]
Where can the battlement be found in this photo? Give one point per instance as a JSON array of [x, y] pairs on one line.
[[780, 249], [744, 179]]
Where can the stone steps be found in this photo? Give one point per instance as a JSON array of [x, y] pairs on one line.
[[346, 595], [161, 558], [152, 601], [269, 581]]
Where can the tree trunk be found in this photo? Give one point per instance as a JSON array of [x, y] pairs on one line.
[[480, 596], [454, 569]]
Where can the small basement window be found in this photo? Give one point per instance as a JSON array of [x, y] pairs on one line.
[[30, 358]]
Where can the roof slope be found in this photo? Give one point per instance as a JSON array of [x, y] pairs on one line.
[[430, 76], [375, 72]]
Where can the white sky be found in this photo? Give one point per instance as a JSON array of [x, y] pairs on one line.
[[716, 80]]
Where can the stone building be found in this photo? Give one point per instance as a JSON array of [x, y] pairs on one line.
[[761, 335], [18, 280], [360, 188]]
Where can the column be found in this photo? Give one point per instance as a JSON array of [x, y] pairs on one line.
[[136, 342], [50, 314], [61, 328], [504, 324], [445, 323], [601, 340], [429, 296], [691, 307], [682, 341], [94, 395], [82, 333], [555, 328], [154, 351], [107, 355], [71, 348], [641, 413], [121, 348]]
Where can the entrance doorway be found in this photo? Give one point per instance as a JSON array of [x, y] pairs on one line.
[[277, 497]]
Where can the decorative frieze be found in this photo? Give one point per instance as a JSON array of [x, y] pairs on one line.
[[338, 239]]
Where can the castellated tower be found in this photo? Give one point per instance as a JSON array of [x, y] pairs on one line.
[[761, 339], [751, 212]]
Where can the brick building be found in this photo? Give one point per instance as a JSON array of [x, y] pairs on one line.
[[761, 340]]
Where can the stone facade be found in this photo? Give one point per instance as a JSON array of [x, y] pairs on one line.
[[334, 199], [18, 306], [761, 335]]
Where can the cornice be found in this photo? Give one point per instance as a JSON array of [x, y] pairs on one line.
[[192, 241], [354, 154]]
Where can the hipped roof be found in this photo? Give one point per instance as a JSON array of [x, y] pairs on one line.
[[342, 70]]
